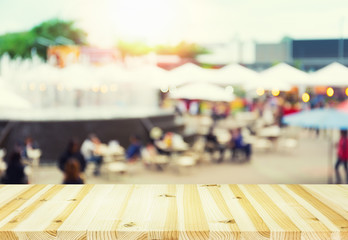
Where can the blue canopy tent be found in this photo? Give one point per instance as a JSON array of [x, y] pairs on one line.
[[323, 118]]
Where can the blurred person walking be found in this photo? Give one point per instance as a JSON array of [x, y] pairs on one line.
[[15, 170], [72, 172], [72, 151], [237, 143], [90, 150], [342, 156], [134, 150]]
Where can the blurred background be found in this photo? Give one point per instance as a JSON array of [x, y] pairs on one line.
[[173, 91]]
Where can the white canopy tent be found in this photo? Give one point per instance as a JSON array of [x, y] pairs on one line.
[[281, 77], [202, 91], [334, 74], [285, 73], [235, 74], [151, 77], [190, 73], [268, 85]]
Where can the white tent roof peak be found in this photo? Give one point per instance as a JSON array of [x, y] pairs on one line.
[[186, 67], [283, 68], [334, 68], [283, 72], [237, 74], [334, 74]]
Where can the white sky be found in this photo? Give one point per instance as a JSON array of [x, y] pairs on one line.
[[169, 21]]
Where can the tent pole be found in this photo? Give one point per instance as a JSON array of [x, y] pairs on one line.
[[330, 180]]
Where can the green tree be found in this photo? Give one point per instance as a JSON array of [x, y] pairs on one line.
[[17, 44], [40, 37], [183, 49], [133, 48]]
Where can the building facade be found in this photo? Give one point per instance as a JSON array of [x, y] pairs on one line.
[[306, 54]]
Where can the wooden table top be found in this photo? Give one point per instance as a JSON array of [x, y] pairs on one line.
[[174, 212]]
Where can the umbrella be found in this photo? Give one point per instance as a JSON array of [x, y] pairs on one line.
[[202, 91], [325, 118]]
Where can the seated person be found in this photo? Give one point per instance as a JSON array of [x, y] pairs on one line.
[[28, 145], [211, 141], [134, 150], [72, 172], [213, 145], [14, 173], [72, 151], [151, 157], [90, 150], [237, 143]]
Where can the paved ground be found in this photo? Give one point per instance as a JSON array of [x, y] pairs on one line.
[[308, 163]]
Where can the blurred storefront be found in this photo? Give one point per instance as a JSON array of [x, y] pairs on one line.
[[64, 55]]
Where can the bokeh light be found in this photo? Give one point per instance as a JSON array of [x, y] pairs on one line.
[[32, 86], [275, 92], [42, 87], [330, 92], [104, 89], [305, 97], [113, 88], [164, 89], [95, 89], [260, 91], [60, 87]]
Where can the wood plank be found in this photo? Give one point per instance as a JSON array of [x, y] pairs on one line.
[[245, 224], [325, 192], [280, 224], [39, 224], [255, 212], [76, 225], [196, 225], [135, 223], [14, 207], [304, 198], [171, 224], [163, 214], [107, 219], [310, 226], [222, 223], [23, 215], [8, 192]]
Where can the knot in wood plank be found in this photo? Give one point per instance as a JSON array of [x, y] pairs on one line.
[[228, 221], [210, 185], [166, 195], [130, 224]]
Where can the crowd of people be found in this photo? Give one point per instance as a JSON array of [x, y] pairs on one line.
[[73, 161]]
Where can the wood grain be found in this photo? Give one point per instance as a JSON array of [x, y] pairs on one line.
[[212, 211]]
